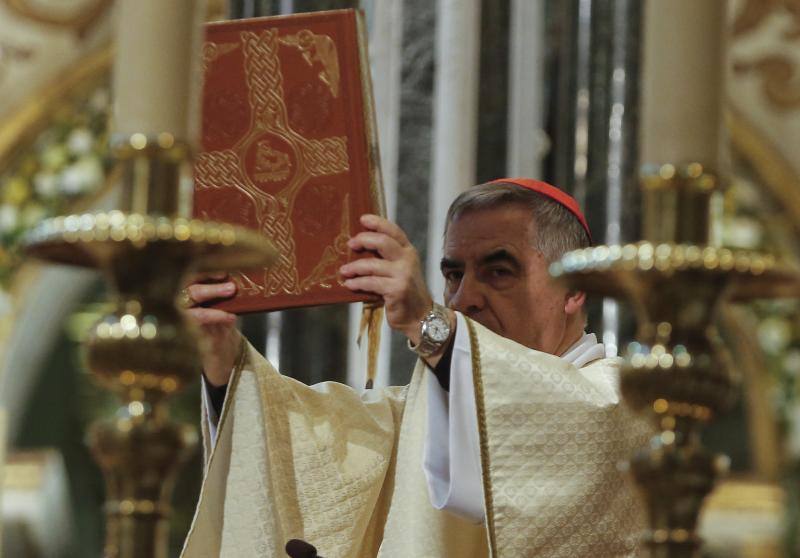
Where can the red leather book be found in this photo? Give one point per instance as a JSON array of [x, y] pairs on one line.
[[289, 149]]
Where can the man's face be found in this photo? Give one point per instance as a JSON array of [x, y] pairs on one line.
[[495, 276]]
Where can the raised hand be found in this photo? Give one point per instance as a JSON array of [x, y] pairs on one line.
[[396, 275], [221, 339]]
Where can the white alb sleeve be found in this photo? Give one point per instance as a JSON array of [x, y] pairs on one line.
[[211, 414], [451, 459]]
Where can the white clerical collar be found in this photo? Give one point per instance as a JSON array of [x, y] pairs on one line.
[[584, 351]]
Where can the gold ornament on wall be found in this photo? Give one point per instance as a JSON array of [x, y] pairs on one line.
[[777, 70], [779, 76], [754, 12], [9, 54]]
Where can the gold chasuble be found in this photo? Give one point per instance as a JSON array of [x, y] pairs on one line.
[[344, 471]]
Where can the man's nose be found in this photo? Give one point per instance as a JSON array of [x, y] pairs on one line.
[[469, 297]]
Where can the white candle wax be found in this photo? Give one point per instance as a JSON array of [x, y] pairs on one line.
[[158, 45], [683, 69]]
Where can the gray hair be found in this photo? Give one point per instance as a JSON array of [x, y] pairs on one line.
[[558, 231]]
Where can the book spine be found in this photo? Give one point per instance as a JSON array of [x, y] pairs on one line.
[[370, 118]]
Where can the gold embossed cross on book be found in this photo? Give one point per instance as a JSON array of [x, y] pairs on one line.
[[289, 149]]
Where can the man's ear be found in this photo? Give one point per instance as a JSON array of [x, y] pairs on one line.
[[574, 302]]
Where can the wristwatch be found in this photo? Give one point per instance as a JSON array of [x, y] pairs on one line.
[[434, 332]]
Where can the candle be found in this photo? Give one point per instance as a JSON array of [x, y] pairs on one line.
[[682, 82], [156, 69]]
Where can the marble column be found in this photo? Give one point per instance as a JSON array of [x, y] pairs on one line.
[[455, 120], [239, 9], [414, 156], [569, 107], [493, 92], [297, 6], [527, 139], [455, 136], [596, 120], [612, 195]]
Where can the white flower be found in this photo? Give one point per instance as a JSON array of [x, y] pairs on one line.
[[774, 334], [81, 176], [45, 184], [80, 141], [9, 218]]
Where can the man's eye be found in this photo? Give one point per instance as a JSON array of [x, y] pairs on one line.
[[453, 276], [499, 272]]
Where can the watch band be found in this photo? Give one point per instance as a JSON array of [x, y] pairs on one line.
[[427, 345]]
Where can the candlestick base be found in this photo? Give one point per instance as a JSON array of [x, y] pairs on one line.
[[676, 370], [144, 350]]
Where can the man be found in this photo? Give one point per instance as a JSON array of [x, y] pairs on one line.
[[496, 447]]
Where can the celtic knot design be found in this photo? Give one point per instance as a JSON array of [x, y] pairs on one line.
[[282, 276], [217, 168], [212, 51], [223, 167], [328, 156], [315, 158]]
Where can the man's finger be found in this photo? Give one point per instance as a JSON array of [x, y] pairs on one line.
[[211, 316], [368, 266], [209, 277], [205, 292], [369, 284], [381, 243], [384, 226], [213, 277]]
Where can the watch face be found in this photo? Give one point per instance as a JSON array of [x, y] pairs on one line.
[[438, 330]]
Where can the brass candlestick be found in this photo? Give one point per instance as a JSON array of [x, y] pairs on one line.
[[145, 350], [675, 370]]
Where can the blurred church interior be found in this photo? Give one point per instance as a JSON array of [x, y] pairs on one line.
[[543, 88]]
